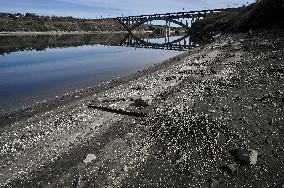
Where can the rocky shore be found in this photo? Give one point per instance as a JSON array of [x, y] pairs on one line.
[[212, 117]]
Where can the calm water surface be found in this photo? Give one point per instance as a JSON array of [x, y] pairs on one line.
[[29, 76]]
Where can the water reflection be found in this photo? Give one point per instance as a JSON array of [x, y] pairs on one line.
[[165, 42], [176, 42], [10, 44]]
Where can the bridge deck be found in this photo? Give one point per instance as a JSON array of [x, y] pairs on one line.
[[174, 15]]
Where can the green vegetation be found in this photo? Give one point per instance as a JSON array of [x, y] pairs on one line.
[[31, 22]]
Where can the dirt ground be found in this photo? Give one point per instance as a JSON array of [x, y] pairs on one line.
[[212, 117]]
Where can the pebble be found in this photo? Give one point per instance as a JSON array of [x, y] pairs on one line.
[[90, 158]]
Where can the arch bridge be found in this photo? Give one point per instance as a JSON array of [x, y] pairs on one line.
[[131, 23]]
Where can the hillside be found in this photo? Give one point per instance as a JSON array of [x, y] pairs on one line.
[[31, 22], [264, 14]]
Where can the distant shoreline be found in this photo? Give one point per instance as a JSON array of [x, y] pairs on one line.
[[24, 33]]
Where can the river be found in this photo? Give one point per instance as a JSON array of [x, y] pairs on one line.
[[36, 68]]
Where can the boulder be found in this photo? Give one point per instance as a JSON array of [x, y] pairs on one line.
[[247, 156]]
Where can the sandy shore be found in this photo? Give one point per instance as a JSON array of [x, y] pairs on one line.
[[187, 122]]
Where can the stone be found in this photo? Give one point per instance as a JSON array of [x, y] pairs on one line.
[[90, 158], [217, 36], [148, 100], [232, 168], [188, 69], [213, 183], [247, 156], [125, 168], [169, 78], [140, 103]]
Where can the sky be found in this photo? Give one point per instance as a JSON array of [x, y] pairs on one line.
[[112, 8]]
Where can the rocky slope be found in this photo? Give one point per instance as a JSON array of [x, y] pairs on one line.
[[264, 14]]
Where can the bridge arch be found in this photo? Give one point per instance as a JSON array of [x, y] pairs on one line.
[[141, 22], [130, 28], [155, 44]]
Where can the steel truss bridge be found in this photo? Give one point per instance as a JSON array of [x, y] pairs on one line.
[[131, 23], [183, 19]]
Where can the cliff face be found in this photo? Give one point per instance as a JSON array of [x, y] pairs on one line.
[[263, 14]]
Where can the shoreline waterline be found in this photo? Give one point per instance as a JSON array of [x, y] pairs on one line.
[[16, 114], [28, 33]]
